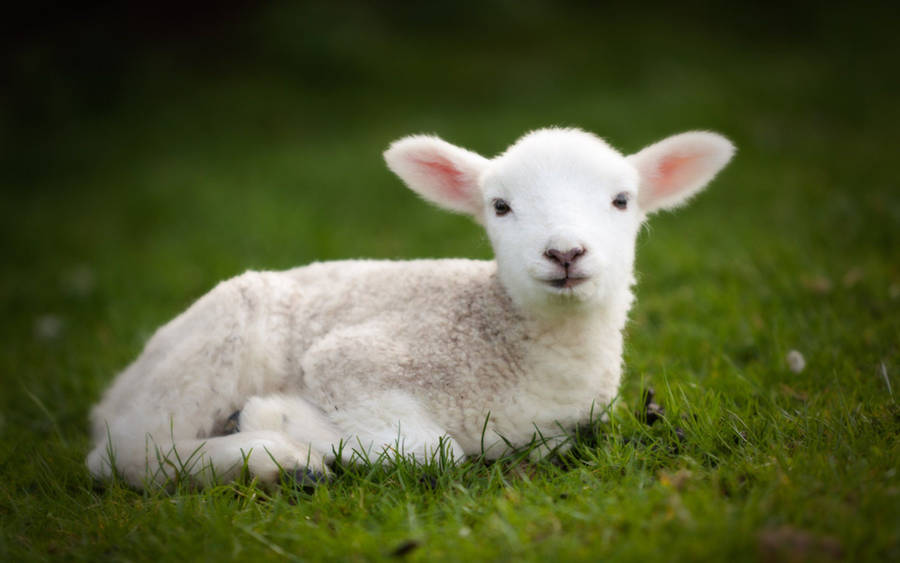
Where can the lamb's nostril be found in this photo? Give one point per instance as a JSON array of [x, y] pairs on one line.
[[564, 259]]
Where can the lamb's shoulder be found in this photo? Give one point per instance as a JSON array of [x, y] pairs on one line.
[[436, 316]]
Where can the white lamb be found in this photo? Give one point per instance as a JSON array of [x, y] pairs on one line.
[[472, 356]]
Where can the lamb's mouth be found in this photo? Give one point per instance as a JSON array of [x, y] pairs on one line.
[[567, 282]]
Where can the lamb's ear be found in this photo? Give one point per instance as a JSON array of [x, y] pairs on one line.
[[438, 171], [674, 169]]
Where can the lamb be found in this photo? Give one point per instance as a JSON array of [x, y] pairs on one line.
[[472, 357]]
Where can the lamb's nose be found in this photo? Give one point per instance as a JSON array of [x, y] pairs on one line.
[[564, 258]]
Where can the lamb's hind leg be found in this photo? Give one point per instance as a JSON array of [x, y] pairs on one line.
[[161, 416], [264, 453]]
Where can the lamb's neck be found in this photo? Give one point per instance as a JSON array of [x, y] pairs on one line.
[[571, 356], [580, 323], [580, 333], [581, 349], [579, 327], [579, 357]]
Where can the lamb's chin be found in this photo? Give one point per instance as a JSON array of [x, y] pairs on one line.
[[559, 296]]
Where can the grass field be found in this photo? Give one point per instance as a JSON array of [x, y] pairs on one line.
[[135, 179]]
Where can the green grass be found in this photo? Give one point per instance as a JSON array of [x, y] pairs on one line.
[[266, 154]]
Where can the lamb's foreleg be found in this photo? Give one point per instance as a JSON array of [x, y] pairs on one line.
[[363, 378], [394, 422]]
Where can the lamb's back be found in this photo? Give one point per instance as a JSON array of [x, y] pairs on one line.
[[341, 293]]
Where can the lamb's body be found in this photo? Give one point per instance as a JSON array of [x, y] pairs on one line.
[[330, 333], [469, 355]]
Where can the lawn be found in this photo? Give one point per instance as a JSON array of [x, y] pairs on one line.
[[142, 165]]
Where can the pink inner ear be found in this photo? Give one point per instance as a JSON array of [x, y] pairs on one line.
[[674, 172], [450, 178]]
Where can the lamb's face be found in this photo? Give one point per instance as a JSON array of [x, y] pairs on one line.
[[561, 207], [561, 210]]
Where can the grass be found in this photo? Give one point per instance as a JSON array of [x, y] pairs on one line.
[[126, 198]]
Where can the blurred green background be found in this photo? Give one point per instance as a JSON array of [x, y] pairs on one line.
[[153, 149], [149, 151]]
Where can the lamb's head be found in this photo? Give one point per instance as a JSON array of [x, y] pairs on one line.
[[561, 207]]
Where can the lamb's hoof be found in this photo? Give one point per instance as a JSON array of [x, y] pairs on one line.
[[652, 410], [232, 423], [306, 480]]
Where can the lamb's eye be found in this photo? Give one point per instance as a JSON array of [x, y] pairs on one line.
[[620, 201], [501, 207]]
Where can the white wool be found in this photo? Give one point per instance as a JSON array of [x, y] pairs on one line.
[[469, 356]]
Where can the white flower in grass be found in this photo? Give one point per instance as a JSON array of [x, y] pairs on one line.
[[796, 362]]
